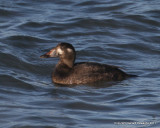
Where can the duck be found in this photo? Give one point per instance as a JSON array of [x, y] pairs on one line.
[[67, 72]]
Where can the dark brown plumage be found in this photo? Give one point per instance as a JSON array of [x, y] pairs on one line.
[[68, 73]]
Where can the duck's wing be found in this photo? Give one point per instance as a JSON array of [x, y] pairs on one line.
[[91, 67]]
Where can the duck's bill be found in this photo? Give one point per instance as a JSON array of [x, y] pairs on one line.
[[44, 56], [51, 53]]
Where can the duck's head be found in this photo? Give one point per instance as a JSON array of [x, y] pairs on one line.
[[64, 51]]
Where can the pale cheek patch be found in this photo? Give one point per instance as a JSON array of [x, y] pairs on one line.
[[59, 51], [69, 50]]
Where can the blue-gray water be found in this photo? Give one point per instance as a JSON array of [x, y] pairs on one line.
[[120, 32]]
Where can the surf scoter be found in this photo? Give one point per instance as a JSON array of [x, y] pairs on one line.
[[67, 72]]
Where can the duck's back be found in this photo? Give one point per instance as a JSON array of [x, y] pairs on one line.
[[88, 72]]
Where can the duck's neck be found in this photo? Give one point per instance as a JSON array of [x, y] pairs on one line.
[[69, 63], [61, 70]]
